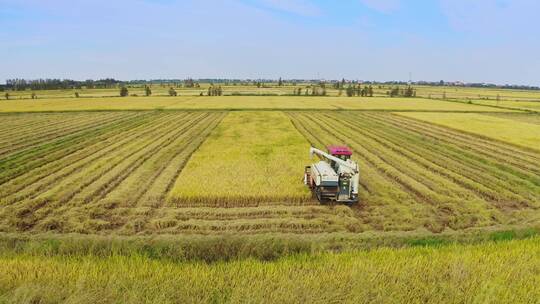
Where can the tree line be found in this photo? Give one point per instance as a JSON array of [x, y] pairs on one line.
[[408, 91], [19, 84]]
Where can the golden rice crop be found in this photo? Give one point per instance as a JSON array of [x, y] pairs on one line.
[[240, 103], [251, 157], [502, 272]]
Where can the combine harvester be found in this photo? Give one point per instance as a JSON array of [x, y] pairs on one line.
[[335, 177]]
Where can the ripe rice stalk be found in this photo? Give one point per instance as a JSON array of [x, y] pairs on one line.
[[250, 158]]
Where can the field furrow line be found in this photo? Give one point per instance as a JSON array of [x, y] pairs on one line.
[[48, 135], [500, 152], [385, 192], [42, 206], [497, 146], [68, 189], [438, 163], [52, 120], [181, 160], [481, 159], [56, 170], [395, 157], [450, 211], [58, 149], [143, 177]]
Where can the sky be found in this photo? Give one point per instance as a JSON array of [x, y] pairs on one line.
[[494, 41]]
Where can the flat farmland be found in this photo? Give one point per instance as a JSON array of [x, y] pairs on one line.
[[415, 174], [247, 160], [213, 172], [241, 103], [93, 178], [513, 129]]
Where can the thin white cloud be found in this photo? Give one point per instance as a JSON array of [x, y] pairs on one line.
[[298, 7], [383, 6]]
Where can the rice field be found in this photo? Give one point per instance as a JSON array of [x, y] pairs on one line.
[[499, 128], [206, 173], [527, 105], [251, 158], [96, 173], [502, 272], [122, 206], [239, 103], [419, 175]]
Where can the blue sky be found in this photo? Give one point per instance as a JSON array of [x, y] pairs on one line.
[[494, 41]]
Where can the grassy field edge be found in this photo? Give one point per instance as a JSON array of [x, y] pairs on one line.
[[236, 247]]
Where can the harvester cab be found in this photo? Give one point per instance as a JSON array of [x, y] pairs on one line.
[[335, 177]]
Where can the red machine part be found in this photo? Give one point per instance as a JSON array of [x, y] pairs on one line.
[[339, 150]]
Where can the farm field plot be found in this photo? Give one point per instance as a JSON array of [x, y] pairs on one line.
[[499, 128], [418, 175], [518, 105], [103, 177], [479, 93], [103, 172], [250, 158], [25, 130], [520, 117], [212, 172], [240, 103]]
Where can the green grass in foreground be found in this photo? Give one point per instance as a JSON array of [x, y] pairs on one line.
[[494, 272]]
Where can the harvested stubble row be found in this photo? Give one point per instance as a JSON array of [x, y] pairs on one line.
[[115, 176], [251, 158], [76, 181], [517, 132], [414, 174], [253, 220], [42, 128]]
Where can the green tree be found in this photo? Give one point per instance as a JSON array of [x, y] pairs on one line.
[[76, 94], [280, 82], [124, 91], [7, 95], [147, 91], [172, 91], [350, 91]]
